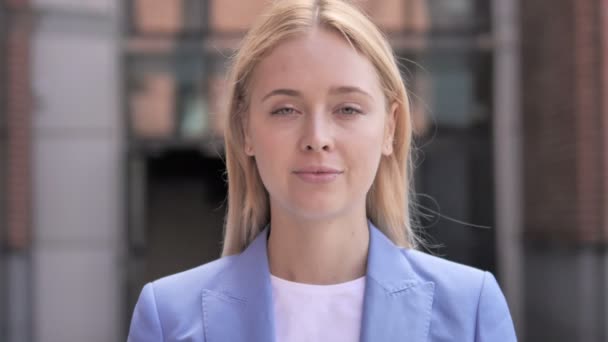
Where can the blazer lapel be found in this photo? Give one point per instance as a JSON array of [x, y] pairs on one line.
[[397, 303], [239, 307]]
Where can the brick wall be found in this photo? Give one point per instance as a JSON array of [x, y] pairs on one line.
[[18, 109], [589, 132], [562, 115], [390, 15], [603, 12], [2, 134]]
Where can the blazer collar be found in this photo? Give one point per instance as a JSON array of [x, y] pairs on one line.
[[397, 303], [238, 307]]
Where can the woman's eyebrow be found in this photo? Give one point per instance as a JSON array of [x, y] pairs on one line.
[[348, 89], [332, 90], [288, 92]]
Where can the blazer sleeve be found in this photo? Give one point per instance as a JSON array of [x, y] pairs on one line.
[[145, 323], [494, 321]]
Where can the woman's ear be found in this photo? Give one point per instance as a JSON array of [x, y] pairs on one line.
[[389, 129], [248, 148]]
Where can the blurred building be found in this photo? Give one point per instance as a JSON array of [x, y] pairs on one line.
[[3, 159], [111, 141], [15, 165], [62, 234], [565, 166]]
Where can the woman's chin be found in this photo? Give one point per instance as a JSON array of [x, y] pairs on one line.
[[317, 210]]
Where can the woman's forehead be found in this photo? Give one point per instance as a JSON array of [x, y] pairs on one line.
[[317, 60]]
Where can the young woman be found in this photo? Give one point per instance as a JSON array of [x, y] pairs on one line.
[[318, 244]]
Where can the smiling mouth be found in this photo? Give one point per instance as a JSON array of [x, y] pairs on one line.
[[318, 177], [317, 169], [318, 172]]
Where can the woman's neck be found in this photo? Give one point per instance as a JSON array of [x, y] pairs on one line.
[[318, 252]]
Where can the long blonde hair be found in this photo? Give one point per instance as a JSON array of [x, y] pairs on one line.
[[387, 202]]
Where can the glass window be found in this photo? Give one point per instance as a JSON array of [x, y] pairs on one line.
[[167, 16], [453, 88], [452, 116], [459, 15], [152, 104], [167, 96], [422, 15]]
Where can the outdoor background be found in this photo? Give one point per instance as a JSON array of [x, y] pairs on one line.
[[111, 141]]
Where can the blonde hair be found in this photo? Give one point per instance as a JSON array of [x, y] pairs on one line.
[[387, 202]]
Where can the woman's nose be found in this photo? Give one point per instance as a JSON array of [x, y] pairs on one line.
[[317, 135]]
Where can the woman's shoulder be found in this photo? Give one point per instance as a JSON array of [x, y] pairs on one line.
[[437, 269], [464, 293], [460, 282], [175, 301], [195, 278]]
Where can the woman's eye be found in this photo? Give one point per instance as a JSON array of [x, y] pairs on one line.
[[348, 110], [283, 111]]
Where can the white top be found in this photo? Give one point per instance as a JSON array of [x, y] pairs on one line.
[[306, 312]]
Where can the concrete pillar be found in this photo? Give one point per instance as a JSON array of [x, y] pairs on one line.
[[508, 156], [78, 247]]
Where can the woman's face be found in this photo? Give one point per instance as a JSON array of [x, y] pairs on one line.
[[317, 126]]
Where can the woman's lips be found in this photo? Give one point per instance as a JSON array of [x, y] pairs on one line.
[[318, 177]]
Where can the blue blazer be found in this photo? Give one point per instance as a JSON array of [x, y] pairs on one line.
[[409, 296]]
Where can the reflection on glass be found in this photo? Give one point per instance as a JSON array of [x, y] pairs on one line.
[[451, 88], [169, 97], [451, 14], [152, 106], [194, 113], [217, 112], [452, 91]]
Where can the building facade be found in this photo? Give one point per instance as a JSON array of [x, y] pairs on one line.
[[565, 144]]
